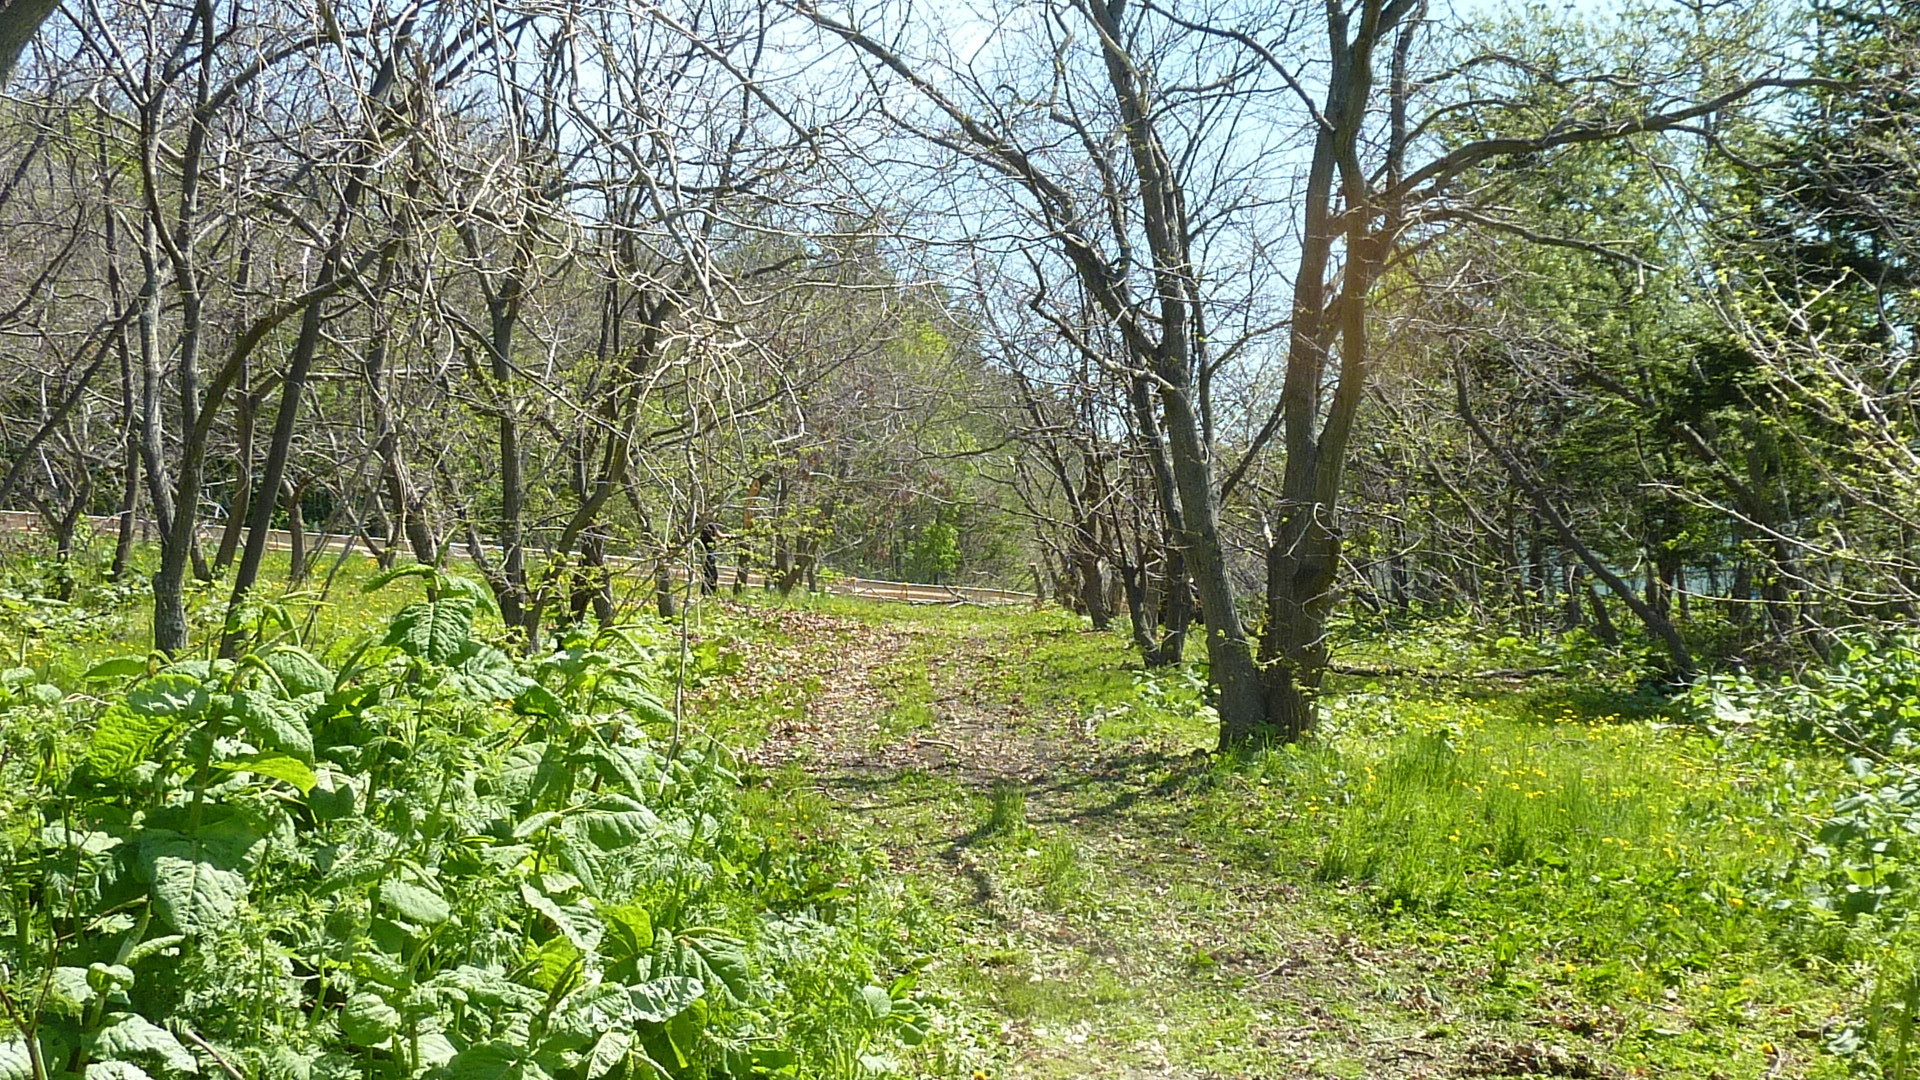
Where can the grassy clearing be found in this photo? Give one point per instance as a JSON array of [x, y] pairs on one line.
[[1596, 874], [1546, 877], [1553, 875]]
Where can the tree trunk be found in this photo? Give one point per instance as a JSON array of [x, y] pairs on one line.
[[1242, 700], [1603, 626], [1093, 589], [130, 487], [1154, 447], [296, 535], [663, 590], [593, 554], [245, 414], [1571, 586], [124, 523], [169, 579], [19, 21]]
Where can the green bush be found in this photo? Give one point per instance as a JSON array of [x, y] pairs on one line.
[[1867, 699], [420, 858]]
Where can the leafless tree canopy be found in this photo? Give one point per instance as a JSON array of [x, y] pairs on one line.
[[1211, 317]]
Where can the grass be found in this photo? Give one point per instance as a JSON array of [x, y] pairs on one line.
[[1554, 856], [1007, 811], [1465, 867], [1594, 872]]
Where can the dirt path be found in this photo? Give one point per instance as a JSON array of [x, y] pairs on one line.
[[1101, 941]]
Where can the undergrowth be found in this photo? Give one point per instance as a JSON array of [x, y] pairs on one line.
[[404, 853], [1691, 895]]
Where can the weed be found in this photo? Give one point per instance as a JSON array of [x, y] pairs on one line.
[[1007, 810], [1062, 877], [422, 856]]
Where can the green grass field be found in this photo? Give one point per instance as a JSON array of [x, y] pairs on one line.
[[1560, 875]]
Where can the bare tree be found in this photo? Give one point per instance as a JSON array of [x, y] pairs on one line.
[[1379, 173]]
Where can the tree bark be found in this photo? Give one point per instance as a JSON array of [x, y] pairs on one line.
[[19, 21], [306, 347]]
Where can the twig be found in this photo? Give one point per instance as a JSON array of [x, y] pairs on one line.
[[1418, 673], [211, 1052]]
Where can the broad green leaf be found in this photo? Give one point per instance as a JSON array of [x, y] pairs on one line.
[[615, 821], [629, 770], [192, 893], [485, 673], [435, 630], [482, 597], [116, 1070], [629, 930], [68, 992], [660, 1000], [536, 824], [587, 1012], [170, 693], [483, 987], [118, 667], [555, 961], [109, 979], [275, 767], [383, 968], [368, 1020], [609, 1054], [81, 862], [132, 1037], [722, 960], [348, 703], [583, 861], [298, 671], [537, 700], [274, 724], [517, 771], [153, 947], [775, 1061], [16, 1063], [45, 694], [416, 904], [335, 795], [559, 885], [386, 577], [434, 1048], [574, 921], [645, 705], [494, 1061], [876, 1002], [123, 738]]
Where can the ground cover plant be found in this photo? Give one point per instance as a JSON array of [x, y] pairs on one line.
[[883, 839], [1567, 873], [404, 853], [1413, 502]]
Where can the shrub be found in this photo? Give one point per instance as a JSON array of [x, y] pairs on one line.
[[423, 859]]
